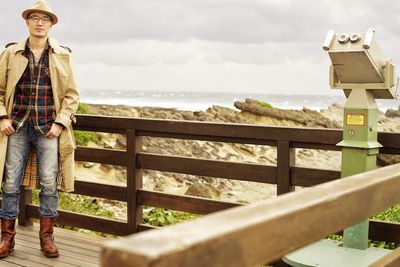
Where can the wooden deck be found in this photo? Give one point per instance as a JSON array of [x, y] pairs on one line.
[[76, 249]]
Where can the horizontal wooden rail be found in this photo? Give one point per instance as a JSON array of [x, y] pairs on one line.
[[209, 138], [101, 155], [214, 168], [84, 221], [384, 231], [332, 147], [176, 128], [311, 176], [182, 203], [100, 190], [264, 231]]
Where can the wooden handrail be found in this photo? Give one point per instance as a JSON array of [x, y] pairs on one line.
[[286, 174], [261, 232]]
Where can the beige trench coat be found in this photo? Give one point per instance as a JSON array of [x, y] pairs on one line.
[[66, 100]]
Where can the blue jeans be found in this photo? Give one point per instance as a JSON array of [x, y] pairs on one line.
[[18, 150]]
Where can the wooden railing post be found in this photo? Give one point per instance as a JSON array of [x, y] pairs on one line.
[[25, 199], [285, 160], [134, 181]]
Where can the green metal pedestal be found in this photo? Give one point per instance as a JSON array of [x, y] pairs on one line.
[[359, 152]]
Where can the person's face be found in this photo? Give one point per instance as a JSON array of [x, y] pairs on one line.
[[39, 24]]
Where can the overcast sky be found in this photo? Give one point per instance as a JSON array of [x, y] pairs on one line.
[[263, 46]]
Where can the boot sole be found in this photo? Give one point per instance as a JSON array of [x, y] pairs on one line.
[[51, 255], [55, 255], [6, 255]]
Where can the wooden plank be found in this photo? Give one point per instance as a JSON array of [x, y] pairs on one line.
[[24, 260], [213, 168], [63, 260], [389, 139], [99, 128], [281, 225], [285, 160], [229, 130], [389, 151], [101, 155], [4, 263], [208, 138], [315, 146], [390, 260], [74, 254], [33, 237], [75, 249], [88, 255], [66, 233], [134, 181], [182, 203], [384, 231], [100, 190], [71, 235], [199, 128], [84, 221], [311, 176]]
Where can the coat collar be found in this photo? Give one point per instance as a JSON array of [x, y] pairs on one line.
[[54, 45]]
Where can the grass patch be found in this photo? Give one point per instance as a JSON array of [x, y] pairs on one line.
[[265, 104], [83, 109], [77, 203], [83, 138], [390, 215], [163, 217]]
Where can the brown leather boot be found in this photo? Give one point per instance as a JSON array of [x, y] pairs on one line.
[[7, 237], [46, 237]]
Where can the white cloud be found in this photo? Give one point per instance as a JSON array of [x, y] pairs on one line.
[[256, 45]]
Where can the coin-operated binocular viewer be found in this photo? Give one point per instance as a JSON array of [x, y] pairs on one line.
[[364, 74]]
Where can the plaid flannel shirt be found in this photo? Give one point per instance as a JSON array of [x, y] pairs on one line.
[[34, 101], [33, 94]]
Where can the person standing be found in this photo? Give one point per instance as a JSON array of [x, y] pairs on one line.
[[38, 100]]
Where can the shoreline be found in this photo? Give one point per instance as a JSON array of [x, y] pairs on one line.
[[200, 101]]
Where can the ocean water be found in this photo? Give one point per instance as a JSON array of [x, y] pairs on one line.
[[196, 101]]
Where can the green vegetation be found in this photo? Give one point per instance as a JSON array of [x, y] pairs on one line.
[[83, 137], [265, 104], [392, 214], [77, 203], [90, 206], [83, 109], [162, 217]]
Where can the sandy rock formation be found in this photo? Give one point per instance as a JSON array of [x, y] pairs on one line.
[[305, 117]]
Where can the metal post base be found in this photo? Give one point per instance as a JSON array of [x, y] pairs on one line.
[[331, 253]]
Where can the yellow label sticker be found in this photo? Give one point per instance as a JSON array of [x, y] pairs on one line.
[[355, 119]]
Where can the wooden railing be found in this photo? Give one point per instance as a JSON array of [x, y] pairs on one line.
[[285, 174], [262, 232]]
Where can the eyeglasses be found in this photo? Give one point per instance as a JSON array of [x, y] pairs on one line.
[[36, 19]]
